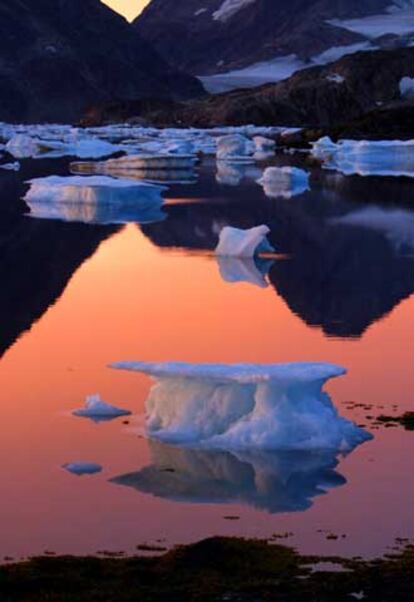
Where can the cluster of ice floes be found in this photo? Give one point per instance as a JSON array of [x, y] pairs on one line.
[[94, 199], [265, 407], [284, 182], [272, 481], [247, 244], [99, 411], [367, 157]]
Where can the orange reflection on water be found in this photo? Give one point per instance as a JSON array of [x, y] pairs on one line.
[[132, 300]]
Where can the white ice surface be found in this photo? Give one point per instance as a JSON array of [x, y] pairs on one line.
[[367, 158], [284, 182], [229, 8], [97, 409], [234, 242], [245, 406], [398, 20], [94, 199]]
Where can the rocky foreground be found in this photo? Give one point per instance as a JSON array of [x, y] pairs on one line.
[[215, 569]]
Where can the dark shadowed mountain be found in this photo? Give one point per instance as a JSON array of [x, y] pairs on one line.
[[217, 36], [337, 277], [37, 259], [60, 56]]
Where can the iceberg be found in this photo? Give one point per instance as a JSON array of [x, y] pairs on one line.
[[271, 481], [82, 468], [234, 148], [245, 406], [95, 199], [234, 242], [98, 410], [367, 157], [249, 270], [22, 146], [284, 182]]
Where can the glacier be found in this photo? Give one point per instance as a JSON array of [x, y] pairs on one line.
[[98, 410], [284, 182], [245, 406], [271, 481], [234, 242], [366, 157], [94, 199]]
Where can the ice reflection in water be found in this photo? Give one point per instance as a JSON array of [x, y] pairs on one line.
[[272, 481]]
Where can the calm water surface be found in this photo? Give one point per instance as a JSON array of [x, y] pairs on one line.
[[76, 297]]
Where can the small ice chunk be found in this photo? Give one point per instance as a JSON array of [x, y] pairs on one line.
[[82, 468], [97, 409], [11, 166], [284, 182], [234, 148], [264, 145], [22, 146], [407, 87], [243, 243]]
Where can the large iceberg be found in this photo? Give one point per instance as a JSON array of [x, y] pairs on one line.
[[234, 242], [246, 406], [95, 199], [284, 481], [284, 182], [367, 157]]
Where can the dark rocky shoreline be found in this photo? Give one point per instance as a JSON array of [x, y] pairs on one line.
[[228, 569]]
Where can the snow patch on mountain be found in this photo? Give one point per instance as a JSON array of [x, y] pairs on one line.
[[229, 8]]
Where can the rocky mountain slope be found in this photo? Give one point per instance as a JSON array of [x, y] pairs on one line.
[[59, 56], [218, 36], [358, 85]]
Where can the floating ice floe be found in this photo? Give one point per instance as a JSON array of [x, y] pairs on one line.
[[95, 199], [252, 271], [245, 406], [272, 481], [23, 146], [11, 166], [164, 168], [284, 182], [234, 242], [82, 468], [98, 410], [264, 148], [235, 148], [367, 157]]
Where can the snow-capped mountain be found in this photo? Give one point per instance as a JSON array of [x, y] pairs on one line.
[[256, 41], [59, 56]]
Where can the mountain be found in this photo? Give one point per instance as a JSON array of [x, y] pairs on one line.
[[221, 36], [367, 92], [60, 56]]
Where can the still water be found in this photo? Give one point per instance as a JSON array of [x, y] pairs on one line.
[[76, 297]]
